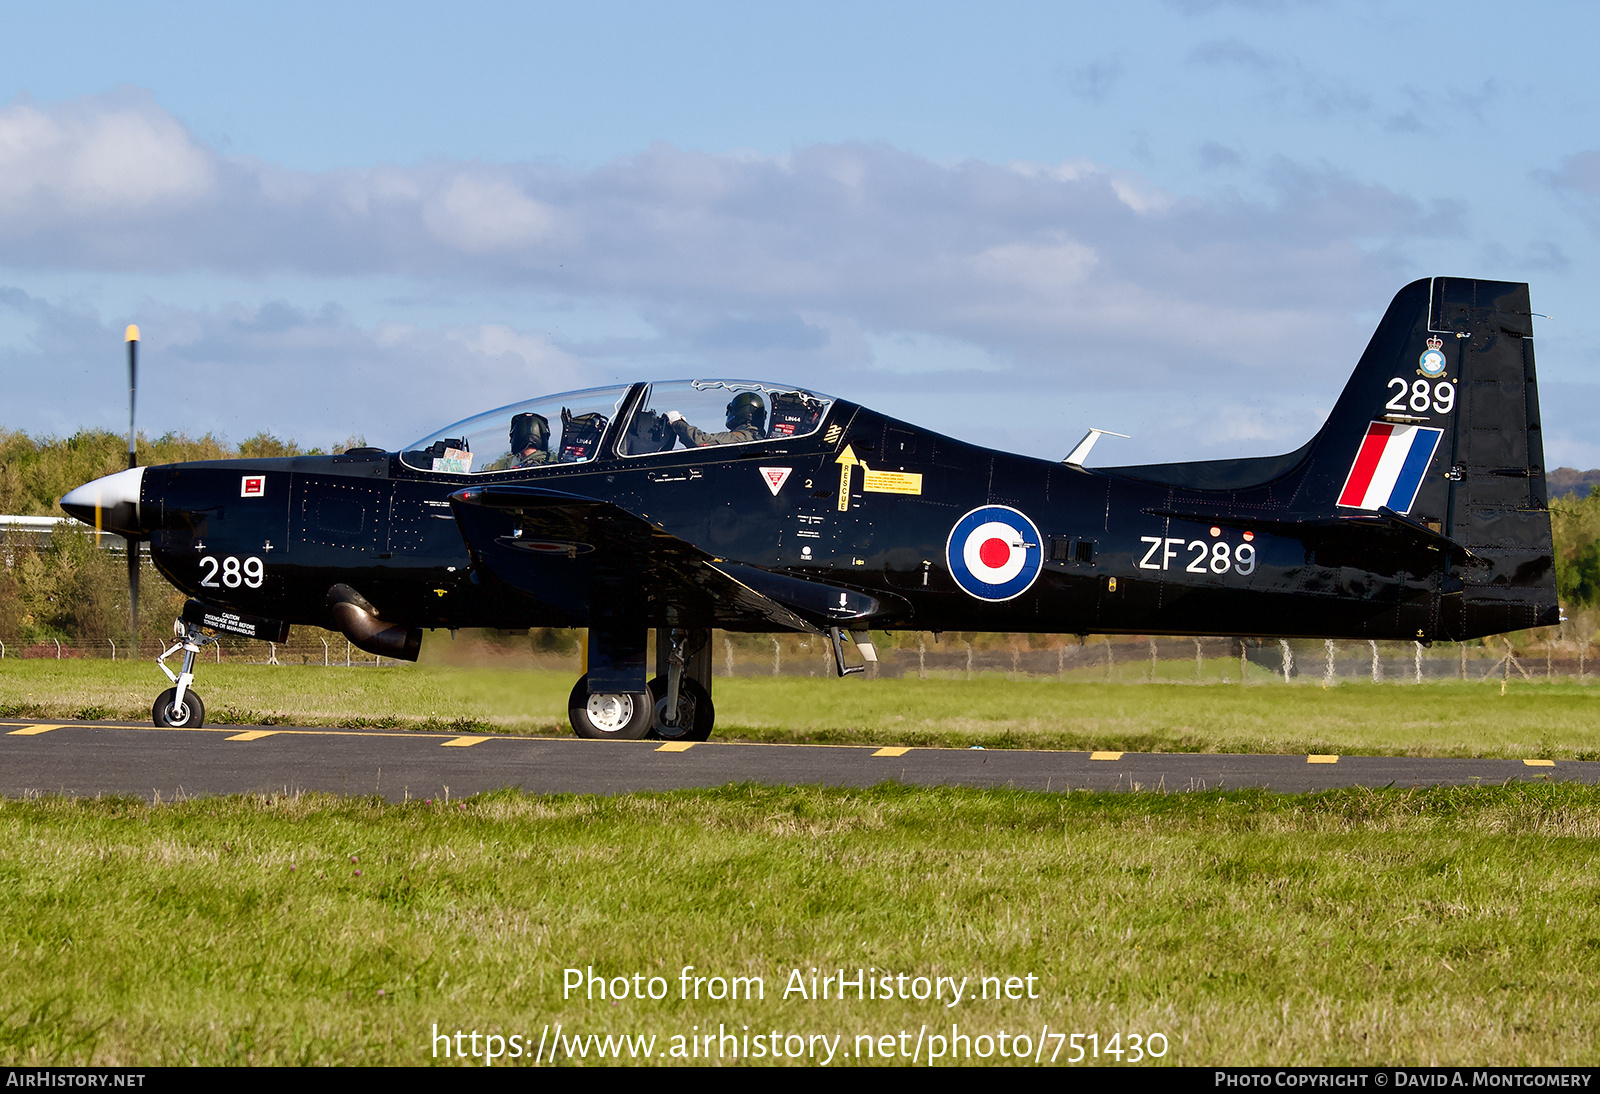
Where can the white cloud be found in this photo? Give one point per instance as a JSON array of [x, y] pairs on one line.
[[1047, 271], [93, 158], [1072, 277], [485, 215], [311, 374]]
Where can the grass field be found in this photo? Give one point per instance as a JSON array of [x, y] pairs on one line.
[[1554, 720], [1417, 927]]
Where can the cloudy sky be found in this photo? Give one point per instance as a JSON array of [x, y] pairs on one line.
[[1178, 219]]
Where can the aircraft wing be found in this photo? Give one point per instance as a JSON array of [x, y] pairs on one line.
[[545, 543]]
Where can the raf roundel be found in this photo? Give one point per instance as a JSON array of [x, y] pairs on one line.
[[994, 553]]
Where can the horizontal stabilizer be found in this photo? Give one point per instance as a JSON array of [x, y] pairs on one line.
[[1386, 522]]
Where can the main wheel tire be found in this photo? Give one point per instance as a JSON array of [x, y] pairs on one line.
[[192, 715], [696, 715], [623, 716]]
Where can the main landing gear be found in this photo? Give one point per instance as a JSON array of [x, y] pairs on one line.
[[675, 706], [179, 707]]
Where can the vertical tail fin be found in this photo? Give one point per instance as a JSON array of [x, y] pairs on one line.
[[1440, 423]]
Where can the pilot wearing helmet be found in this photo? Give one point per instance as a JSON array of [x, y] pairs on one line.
[[747, 418], [530, 440]]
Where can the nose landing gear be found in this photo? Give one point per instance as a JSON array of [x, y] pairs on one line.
[[180, 707]]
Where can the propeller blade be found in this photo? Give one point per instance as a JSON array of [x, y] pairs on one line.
[[133, 588], [131, 336]]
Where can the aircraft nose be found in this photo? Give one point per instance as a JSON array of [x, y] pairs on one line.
[[110, 503]]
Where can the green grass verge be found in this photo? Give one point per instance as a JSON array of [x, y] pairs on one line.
[[1442, 719], [1395, 927]]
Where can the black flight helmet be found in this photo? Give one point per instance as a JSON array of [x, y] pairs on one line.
[[746, 410], [529, 431]]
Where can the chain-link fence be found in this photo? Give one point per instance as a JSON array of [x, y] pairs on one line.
[[1556, 654], [331, 651], [1135, 660]]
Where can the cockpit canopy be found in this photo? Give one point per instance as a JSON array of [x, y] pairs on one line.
[[720, 412], [573, 423], [569, 428]]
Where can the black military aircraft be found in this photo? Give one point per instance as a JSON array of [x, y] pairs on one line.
[[1418, 511]]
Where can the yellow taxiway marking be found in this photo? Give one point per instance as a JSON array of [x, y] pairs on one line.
[[32, 731], [1538, 763], [251, 735], [1315, 759], [1105, 755], [676, 746], [891, 752], [462, 742]]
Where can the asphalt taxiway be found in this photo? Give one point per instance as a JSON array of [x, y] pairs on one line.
[[87, 759]]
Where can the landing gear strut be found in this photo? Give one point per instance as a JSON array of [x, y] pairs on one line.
[[179, 707]]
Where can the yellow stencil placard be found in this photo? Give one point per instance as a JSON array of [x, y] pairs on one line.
[[892, 482]]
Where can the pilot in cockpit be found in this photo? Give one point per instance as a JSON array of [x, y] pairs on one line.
[[530, 440], [747, 419]]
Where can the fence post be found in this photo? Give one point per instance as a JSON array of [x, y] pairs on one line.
[[1377, 669], [347, 653], [1327, 675], [1110, 658], [57, 641], [777, 657], [1152, 642], [2, 651], [1288, 658], [324, 642], [969, 660], [1464, 662], [1243, 661], [1199, 660], [922, 657], [113, 646]]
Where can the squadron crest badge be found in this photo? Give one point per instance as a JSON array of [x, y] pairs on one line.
[[1431, 364]]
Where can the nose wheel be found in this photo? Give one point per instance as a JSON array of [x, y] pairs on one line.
[[175, 713]]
